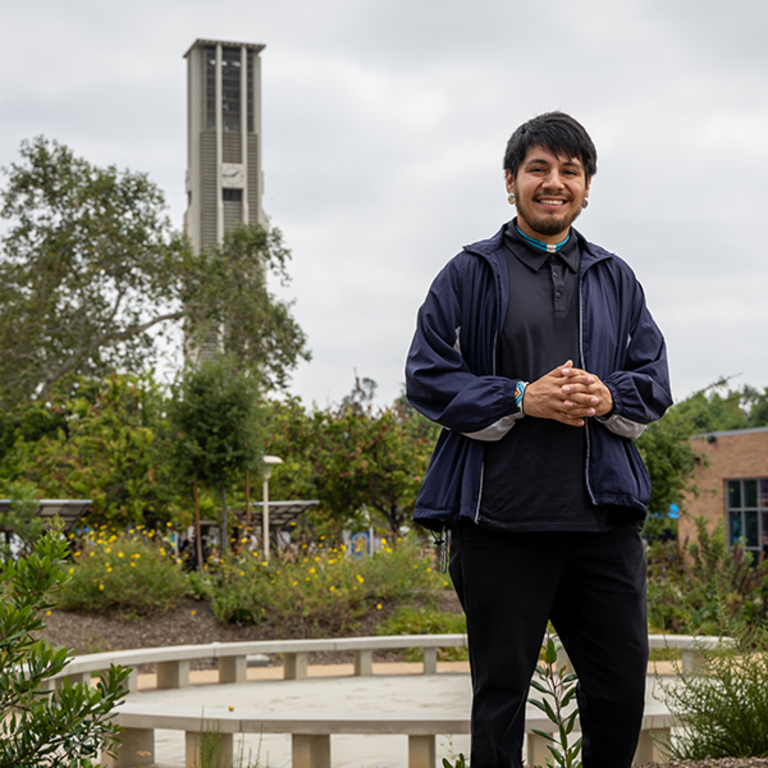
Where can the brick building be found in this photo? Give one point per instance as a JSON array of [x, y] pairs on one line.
[[733, 484]]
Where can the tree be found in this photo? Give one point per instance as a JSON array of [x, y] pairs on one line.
[[96, 439], [371, 460], [668, 452], [92, 274], [39, 728], [214, 425], [90, 267], [226, 296]]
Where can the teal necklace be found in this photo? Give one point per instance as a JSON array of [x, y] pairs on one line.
[[548, 247]]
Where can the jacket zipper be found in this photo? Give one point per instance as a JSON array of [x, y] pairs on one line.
[[497, 284], [584, 366]]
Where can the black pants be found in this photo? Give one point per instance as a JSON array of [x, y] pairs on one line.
[[592, 587]]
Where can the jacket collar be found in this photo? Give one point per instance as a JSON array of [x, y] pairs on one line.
[[493, 248]]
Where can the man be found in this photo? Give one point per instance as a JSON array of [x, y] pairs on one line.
[[536, 353]]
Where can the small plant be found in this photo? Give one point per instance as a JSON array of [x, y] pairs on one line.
[[426, 621], [36, 727], [458, 762], [128, 573], [555, 683], [722, 707], [210, 755]]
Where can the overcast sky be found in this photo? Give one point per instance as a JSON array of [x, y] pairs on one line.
[[384, 124]]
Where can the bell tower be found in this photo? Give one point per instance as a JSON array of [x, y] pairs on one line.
[[224, 174]]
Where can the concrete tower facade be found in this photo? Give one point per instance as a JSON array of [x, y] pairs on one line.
[[224, 173]]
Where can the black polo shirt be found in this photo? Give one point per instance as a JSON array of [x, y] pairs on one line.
[[534, 479]]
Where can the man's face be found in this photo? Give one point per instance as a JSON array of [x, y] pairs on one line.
[[549, 190]]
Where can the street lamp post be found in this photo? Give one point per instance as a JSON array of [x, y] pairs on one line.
[[270, 462]]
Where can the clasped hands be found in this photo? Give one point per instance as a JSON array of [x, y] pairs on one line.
[[568, 395]]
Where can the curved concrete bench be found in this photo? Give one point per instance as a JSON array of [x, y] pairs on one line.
[[311, 734], [173, 661]]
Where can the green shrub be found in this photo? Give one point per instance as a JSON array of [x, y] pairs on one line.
[[723, 708], [689, 599], [38, 728], [408, 620], [125, 573], [321, 592]]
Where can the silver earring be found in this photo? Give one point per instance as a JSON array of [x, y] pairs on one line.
[[511, 198], [584, 203]]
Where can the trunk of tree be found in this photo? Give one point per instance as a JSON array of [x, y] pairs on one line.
[[198, 534], [247, 504], [224, 521]]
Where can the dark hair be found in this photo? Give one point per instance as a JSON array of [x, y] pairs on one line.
[[557, 132]]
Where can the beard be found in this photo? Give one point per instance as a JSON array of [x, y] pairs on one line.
[[547, 225]]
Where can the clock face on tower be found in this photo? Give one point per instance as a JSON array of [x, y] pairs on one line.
[[232, 175]]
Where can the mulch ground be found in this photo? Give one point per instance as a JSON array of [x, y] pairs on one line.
[[193, 623]]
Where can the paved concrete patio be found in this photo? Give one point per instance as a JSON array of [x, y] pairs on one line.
[[394, 688]]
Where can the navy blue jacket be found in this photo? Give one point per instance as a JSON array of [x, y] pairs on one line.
[[451, 377]]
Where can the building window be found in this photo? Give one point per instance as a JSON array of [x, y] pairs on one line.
[[209, 62], [747, 511], [249, 80], [230, 86]]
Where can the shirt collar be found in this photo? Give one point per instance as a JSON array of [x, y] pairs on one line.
[[533, 258]]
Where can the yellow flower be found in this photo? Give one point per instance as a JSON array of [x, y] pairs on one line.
[[242, 573], [91, 554], [264, 562], [77, 554], [162, 551], [194, 613], [378, 606], [47, 613], [295, 584], [333, 589], [429, 570], [119, 554], [71, 571], [360, 578], [108, 550], [101, 586], [133, 565], [109, 570], [169, 525], [311, 570]]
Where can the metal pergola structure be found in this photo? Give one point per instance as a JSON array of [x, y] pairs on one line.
[[69, 510], [281, 513]]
